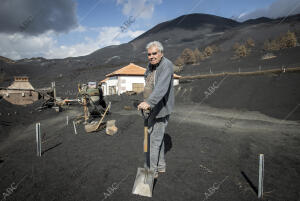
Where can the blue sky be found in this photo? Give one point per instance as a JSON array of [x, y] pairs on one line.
[[65, 28]]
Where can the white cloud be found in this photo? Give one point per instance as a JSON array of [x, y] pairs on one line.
[[280, 8], [17, 46], [80, 29], [242, 15], [138, 8]]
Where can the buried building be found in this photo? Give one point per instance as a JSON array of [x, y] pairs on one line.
[[20, 92]]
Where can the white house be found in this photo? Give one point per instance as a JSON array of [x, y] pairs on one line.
[[128, 78]]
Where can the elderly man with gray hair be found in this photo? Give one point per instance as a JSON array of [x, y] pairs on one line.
[[159, 99]]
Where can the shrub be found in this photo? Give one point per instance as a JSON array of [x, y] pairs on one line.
[[202, 56], [250, 42], [198, 55], [241, 51], [188, 56], [288, 40], [179, 61], [208, 51]]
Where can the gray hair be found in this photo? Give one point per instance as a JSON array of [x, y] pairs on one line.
[[156, 44]]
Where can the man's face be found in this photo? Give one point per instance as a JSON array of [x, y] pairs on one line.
[[154, 55]]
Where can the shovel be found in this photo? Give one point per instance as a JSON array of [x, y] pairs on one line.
[[94, 127], [143, 184]]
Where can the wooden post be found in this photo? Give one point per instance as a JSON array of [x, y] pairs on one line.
[[85, 110], [38, 139], [261, 176]]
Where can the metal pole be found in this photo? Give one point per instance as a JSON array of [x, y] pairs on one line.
[[54, 93], [67, 120], [38, 139], [261, 176], [74, 127]]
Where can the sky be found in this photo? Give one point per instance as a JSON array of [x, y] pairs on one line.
[[70, 28]]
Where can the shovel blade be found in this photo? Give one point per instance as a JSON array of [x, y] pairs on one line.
[[143, 184]]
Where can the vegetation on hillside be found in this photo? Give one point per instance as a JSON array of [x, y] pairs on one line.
[[284, 41], [241, 49], [188, 56]]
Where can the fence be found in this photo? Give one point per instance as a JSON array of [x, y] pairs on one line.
[[260, 72]]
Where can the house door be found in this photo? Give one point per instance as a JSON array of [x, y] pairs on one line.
[[112, 90], [138, 87]]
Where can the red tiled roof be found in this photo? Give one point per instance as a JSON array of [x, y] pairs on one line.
[[130, 69]]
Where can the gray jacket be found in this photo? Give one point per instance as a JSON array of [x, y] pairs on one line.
[[161, 100]]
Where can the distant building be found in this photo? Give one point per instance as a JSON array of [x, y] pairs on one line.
[[20, 92], [128, 78]]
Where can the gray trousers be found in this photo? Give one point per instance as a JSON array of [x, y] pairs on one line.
[[156, 130]]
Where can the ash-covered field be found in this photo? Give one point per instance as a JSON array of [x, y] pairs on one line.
[[212, 146]]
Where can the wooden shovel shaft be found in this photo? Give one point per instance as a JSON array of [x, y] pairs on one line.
[[107, 108], [145, 139]]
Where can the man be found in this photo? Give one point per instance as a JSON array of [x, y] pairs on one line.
[[159, 99]]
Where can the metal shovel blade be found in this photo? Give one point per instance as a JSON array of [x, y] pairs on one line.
[[143, 184]]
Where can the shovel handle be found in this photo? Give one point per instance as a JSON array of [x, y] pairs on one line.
[[146, 115], [145, 139]]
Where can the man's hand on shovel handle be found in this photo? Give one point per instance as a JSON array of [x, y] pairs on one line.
[[143, 106]]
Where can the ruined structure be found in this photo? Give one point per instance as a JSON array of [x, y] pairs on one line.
[[20, 92]]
